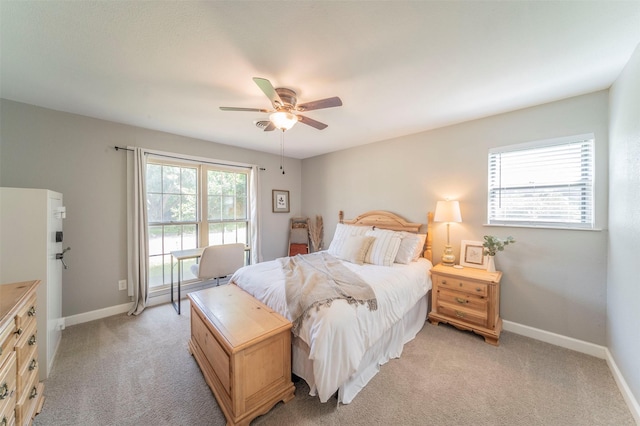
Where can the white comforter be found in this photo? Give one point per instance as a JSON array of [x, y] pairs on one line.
[[338, 336]]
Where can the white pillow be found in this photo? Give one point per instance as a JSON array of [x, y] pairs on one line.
[[340, 236], [420, 247], [409, 244], [384, 249], [355, 248]]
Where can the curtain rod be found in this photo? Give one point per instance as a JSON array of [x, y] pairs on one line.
[[118, 148]]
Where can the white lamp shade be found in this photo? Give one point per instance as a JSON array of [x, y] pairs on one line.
[[283, 120], [447, 211]]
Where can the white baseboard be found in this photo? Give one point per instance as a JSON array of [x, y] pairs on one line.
[[633, 405], [157, 299], [556, 339], [583, 347], [97, 314]]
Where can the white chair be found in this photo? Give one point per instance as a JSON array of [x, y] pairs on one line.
[[219, 261]]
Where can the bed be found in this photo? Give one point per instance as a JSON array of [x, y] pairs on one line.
[[339, 343]]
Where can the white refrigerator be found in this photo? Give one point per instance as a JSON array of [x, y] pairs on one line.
[[31, 247]]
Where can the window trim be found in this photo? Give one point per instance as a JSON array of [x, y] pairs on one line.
[[574, 139]]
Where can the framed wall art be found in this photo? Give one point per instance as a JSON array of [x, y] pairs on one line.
[[471, 254], [280, 201]]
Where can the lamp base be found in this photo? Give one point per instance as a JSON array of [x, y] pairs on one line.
[[448, 258]]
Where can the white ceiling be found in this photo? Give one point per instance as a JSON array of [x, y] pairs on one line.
[[400, 67]]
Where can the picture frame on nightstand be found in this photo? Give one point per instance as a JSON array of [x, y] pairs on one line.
[[472, 254]]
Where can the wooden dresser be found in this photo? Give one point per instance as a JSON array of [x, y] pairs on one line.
[[20, 389], [243, 348], [468, 299]]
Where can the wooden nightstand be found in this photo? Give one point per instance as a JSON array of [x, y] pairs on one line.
[[468, 299]]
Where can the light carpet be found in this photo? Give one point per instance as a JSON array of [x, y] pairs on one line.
[[126, 370]]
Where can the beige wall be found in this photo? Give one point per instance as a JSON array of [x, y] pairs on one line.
[[623, 290], [75, 155], [554, 280]]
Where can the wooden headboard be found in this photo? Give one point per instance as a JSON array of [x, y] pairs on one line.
[[387, 220]]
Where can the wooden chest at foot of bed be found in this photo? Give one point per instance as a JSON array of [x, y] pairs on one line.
[[243, 348]]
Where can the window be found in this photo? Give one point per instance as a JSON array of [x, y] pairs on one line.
[[182, 216], [545, 183]]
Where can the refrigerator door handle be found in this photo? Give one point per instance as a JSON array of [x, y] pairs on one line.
[[60, 257]]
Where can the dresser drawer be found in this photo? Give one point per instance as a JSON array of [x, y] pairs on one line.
[[8, 416], [26, 315], [26, 407], [7, 341], [464, 285], [8, 394]]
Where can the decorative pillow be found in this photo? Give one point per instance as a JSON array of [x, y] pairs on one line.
[[342, 233], [409, 245], [420, 247], [299, 236], [384, 249], [355, 248]]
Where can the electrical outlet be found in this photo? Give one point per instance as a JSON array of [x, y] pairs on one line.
[[122, 285]]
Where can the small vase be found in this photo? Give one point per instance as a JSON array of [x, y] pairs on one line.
[[491, 264]]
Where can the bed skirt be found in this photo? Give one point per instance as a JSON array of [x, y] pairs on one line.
[[387, 347]]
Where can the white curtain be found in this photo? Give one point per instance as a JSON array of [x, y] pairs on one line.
[[137, 230], [254, 202]]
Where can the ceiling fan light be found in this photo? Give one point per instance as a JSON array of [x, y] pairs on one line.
[[283, 120]]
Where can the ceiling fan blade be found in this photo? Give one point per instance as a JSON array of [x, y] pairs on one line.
[[268, 89], [244, 109], [311, 122], [322, 103], [265, 125]]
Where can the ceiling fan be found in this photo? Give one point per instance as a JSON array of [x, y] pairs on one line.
[[284, 114]]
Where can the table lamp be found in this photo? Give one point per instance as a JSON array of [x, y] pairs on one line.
[[448, 211]]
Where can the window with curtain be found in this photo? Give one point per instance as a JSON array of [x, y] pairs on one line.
[[545, 183], [192, 205]]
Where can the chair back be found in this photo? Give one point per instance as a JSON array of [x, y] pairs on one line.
[[221, 260]]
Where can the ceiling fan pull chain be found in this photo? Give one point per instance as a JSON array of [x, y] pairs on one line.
[[282, 151]]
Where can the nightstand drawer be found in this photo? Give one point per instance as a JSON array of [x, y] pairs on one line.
[[469, 301], [467, 286], [460, 313]]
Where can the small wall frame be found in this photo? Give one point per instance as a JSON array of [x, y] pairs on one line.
[[471, 254], [280, 201]]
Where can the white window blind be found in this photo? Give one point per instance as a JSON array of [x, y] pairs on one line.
[[545, 183]]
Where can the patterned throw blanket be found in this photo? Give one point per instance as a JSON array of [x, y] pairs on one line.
[[315, 280]]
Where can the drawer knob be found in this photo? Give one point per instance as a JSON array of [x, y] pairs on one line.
[[460, 314], [32, 312], [33, 365], [478, 289], [18, 332], [4, 391], [32, 340], [34, 393], [461, 300], [4, 421], [444, 282]]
